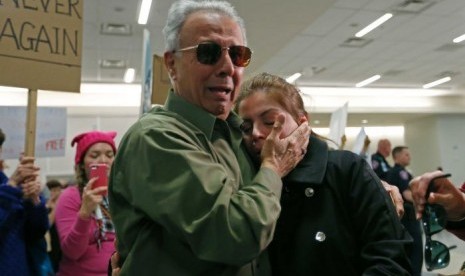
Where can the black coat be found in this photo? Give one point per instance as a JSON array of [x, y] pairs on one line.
[[337, 219], [380, 165]]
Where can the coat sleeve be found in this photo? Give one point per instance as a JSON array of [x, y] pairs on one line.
[[384, 242], [36, 224], [73, 231], [174, 180]]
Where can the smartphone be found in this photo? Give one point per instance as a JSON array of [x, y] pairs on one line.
[[100, 171]]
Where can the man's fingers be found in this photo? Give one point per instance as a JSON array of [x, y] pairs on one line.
[[277, 127]]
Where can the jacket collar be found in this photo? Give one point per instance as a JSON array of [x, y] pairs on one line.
[[312, 168]]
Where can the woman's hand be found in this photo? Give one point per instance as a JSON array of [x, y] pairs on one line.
[[90, 199]]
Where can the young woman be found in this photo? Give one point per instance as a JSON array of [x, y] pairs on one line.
[[336, 217], [82, 219]]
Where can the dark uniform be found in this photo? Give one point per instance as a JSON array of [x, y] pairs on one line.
[[337, 219], [400, 177], [380, 165]]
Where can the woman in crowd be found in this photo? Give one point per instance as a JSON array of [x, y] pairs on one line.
[[82, 219], [336, 217]]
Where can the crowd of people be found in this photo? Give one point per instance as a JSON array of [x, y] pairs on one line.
[[226, 178], [76, 219]]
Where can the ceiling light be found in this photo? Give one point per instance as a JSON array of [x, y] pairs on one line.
[[144, 12], [129, 75], [436, 82], [364, 121], [459, 39], [293, 78], [368, 81], [374, 25]]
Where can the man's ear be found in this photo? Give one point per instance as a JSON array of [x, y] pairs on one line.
[[168, 58]]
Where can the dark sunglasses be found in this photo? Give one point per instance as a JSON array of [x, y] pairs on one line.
[[210, 53], [437, 254]]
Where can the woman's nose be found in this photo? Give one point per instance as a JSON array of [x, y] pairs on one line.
[[103, 159], [257, 133]]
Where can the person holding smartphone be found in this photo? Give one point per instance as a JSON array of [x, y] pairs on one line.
[[444, 193], [82, 217]]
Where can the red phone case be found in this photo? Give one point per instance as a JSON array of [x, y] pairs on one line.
[[100, 171]]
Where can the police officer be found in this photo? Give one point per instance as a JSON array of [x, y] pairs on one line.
[[400, 177], [378, 160]]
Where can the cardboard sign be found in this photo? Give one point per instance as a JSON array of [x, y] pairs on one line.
[[40, 44], [161, 81], [50, 137]]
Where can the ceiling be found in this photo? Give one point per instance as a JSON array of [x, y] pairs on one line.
[[314, 37]]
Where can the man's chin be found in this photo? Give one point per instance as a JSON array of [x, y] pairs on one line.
[[221, 111]]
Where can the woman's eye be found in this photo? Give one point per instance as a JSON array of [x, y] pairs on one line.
[[246, 127], [269, 123]]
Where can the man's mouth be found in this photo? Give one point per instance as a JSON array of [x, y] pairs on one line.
[[219, 89]]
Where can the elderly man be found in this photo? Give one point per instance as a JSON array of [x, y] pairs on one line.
[[185, 198]]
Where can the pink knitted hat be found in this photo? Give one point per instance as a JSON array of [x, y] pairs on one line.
[[85, 140]]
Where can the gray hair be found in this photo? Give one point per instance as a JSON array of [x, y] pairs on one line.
[[181, 9]]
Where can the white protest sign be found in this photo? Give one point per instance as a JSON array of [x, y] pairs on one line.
[[50, 135], [338, 124], [359, 141]]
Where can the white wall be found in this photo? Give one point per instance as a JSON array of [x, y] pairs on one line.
[[421, 136], [451, 132], [437, 141]]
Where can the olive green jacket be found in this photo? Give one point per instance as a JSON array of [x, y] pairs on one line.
[[185, 198]]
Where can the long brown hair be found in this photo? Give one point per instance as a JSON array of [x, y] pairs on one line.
[[285, 94], [80, 175], [277, 88]]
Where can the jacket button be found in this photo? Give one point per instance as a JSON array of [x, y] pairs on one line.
[[320, 236], [309, 192]]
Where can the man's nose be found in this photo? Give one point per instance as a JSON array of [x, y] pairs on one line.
[[227, 66]]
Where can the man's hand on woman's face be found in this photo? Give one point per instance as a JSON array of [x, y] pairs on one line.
[[282, 155]]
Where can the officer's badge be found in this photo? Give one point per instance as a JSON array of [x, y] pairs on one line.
[[403, 175]]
